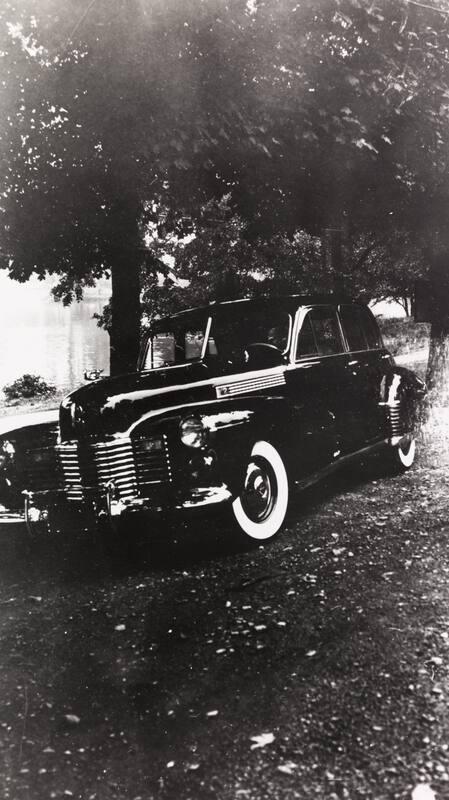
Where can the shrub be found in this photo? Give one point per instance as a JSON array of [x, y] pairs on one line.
[[28, 386]]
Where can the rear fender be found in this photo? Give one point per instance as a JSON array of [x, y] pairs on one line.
[[403, 397]]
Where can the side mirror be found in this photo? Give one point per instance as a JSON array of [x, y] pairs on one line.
[[92, 374]]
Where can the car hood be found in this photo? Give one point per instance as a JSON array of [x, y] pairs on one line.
[[111, 406]]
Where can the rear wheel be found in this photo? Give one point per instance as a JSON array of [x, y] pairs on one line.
[[261, 506]]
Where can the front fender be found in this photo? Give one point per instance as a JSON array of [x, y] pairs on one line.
[[19, 436], [233, 426]]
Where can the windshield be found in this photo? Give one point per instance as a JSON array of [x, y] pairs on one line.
[[176, 342], [223, 336]]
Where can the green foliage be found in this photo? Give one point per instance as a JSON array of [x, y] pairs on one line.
[[28, 386]]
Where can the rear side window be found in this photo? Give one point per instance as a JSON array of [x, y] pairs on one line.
[[360, 328], [320, 334]]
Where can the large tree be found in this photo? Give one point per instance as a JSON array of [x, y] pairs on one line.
[[353, 101], [312, 114], [109, 109]]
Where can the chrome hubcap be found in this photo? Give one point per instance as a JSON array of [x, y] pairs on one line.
[[259, 493]]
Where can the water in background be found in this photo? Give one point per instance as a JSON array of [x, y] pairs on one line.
[[42, 337]]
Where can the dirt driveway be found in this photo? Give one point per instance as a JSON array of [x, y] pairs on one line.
[[313, 667]]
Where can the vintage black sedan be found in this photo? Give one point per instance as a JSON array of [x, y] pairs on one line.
[[233, 405]]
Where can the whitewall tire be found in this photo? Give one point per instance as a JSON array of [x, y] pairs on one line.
[[260, 509], [404, 454]]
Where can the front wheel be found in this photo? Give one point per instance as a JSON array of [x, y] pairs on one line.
[[403, 455], [260, 509]]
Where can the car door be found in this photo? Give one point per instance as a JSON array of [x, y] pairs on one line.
[[368, 363], [316, 384]]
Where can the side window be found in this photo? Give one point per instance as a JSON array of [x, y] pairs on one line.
[[353, 327], [327, 331], [306, 345]]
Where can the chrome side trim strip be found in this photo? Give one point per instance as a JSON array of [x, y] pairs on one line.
[[252, 384]]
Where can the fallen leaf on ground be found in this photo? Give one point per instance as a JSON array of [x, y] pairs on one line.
[[288, 768], [423, 792], [262, 740], [72, 719]]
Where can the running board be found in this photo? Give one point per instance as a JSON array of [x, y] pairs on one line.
[[329, 469]]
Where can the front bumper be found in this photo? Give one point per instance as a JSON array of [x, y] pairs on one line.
[[107, 502], [196, 499]]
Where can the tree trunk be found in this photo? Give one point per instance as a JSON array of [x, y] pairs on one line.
[[405, 302], [125, 317]]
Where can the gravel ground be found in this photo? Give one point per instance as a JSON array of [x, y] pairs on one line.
[[313, 667]]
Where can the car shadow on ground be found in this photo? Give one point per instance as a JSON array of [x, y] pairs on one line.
[[81, 556]]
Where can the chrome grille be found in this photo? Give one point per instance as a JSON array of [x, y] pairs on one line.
[[68, 456], [152, 466], [114, 461], [129, 464]]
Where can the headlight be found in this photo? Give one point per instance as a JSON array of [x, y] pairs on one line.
[[192, 432]]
